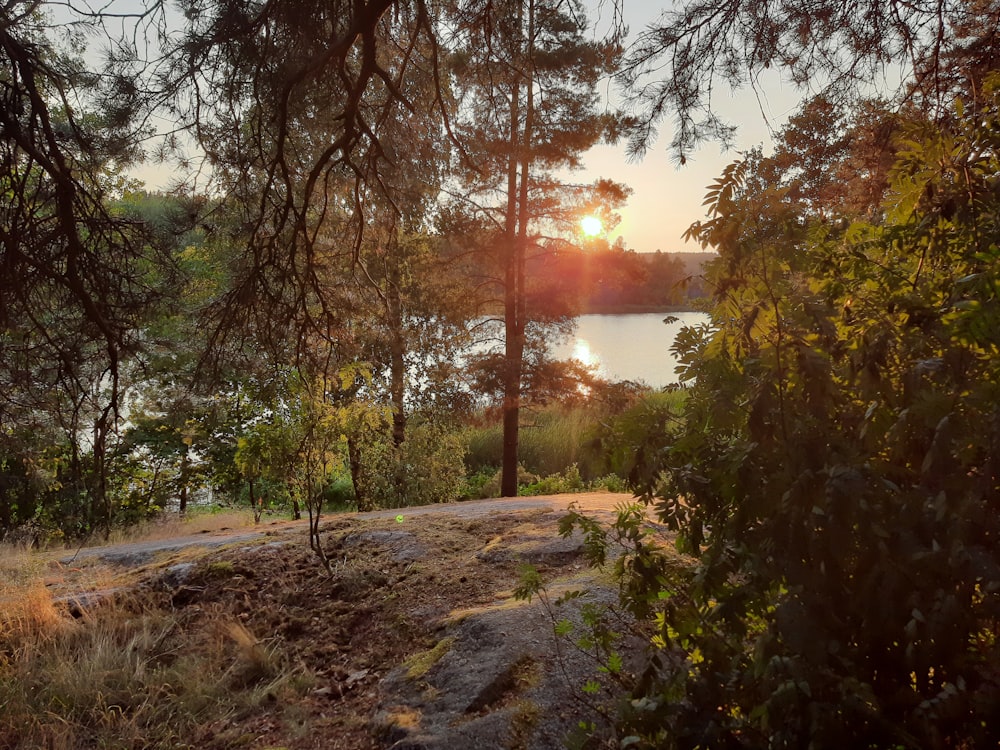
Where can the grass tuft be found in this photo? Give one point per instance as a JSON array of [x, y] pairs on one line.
[[170, 525], [28, 614], [420, 664], [254, 662], [123, 676]]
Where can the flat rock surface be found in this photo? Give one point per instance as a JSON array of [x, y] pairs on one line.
[[412, 639]]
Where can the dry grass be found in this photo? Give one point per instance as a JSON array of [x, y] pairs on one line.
[[256, 649], [254, 661], [171, 525], [28, 618], [124, 674], [17, 564], [28, 615]]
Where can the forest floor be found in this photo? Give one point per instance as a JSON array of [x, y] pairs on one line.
[[414, 641]]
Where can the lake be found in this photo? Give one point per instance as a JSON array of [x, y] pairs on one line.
[[634, 346]]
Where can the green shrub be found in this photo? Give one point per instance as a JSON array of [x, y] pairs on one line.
[[557, 484], [608, 483], [492, 487], [427, 468], [474, 484], [339, 494], [629, 444], [836, 479]]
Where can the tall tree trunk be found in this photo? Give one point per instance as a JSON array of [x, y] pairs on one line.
[[516, 234], [185, 471], [258, 507], [354, 459], [513, 339], [99, 496], [397, 346]]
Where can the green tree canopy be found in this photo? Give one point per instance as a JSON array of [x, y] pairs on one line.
[[836, 475]]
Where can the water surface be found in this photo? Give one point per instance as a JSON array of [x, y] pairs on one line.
[[634, 346]]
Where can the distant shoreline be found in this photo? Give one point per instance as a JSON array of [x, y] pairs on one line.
[[638, 309]]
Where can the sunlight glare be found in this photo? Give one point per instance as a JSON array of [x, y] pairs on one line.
[[583, 354], [591, 226]]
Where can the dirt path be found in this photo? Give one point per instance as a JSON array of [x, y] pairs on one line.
[[134, 554]]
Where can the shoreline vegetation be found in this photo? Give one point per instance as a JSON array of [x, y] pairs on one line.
[[614, 281], [621, 309], [578, 443]]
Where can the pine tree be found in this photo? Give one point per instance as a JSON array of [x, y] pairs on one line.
[[527, 77]]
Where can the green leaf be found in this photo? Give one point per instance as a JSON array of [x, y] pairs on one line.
[[614, 664], [529, 583]]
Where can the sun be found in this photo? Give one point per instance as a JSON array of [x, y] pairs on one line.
[[591, 226]]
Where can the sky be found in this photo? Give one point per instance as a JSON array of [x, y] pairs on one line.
[[666, 198]]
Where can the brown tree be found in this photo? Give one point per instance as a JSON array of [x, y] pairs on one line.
[[528, 106]]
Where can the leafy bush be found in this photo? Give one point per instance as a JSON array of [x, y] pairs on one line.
[[630, 444], [486, 483], [836, 474], [47, 495], [427, 468], [338, 494], [608, 483], [475, 484], [491, 488], [555, 484]]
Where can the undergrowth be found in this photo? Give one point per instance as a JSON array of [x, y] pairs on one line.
[[123, 675], [196, 521]]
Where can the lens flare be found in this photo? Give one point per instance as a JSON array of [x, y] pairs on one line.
[[591, 226]]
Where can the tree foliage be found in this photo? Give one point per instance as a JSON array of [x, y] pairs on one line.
[[937, 48], [80, 271], [836, 476], [68, 257]]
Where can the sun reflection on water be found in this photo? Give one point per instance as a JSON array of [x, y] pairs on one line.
[[583, 354]]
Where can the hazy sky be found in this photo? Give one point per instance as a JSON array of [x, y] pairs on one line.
[[667, 198]]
